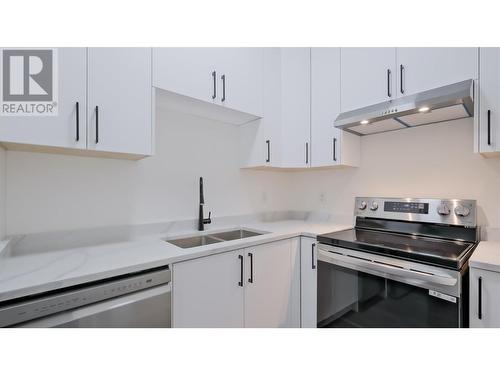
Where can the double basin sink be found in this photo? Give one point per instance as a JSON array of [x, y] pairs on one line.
[[207, 239]]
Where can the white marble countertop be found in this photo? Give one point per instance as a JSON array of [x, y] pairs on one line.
[[32, 265], [486, 256]]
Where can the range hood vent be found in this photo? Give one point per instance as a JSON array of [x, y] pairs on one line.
[[445, 103]]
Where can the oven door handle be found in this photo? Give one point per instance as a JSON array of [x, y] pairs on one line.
[[367, 264]]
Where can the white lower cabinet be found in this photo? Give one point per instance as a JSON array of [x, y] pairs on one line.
[[308, 282], [254, 287], [484, 307], [206, 292], [271, 298]]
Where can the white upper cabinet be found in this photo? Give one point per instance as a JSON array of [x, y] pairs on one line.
[[421, 69], [488, 132], [241, 79], [329, 146], [119, 100], [259, 141], [231, 78], [188, 71], [368, 76], [68, 128], [295, 107]]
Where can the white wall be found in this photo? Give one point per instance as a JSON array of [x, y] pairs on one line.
[[57, 192], [2, 192], [429, 161]]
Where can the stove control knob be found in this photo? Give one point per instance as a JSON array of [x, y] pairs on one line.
[[462, 211], [443, 209], [362, 205], [374, 206]]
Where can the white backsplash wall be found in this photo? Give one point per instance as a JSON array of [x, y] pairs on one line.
[[47, 192], [429, 161], [2, 192]]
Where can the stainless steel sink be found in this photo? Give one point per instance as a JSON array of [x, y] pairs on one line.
[[237, 234], [207, 239], [195, 241]]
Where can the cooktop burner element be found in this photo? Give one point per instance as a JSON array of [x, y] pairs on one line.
[[433, 231]]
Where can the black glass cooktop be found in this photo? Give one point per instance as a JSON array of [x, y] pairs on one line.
[[447, 253]]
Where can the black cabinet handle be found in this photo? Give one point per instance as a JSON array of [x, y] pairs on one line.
[[307, 152], [223, 77], [240, 283], [334, 149], [389, 94], [312, 256], [401, 74], [268, 143], [250, 279], [489, 127], [480, 298], [96, 124], [214, 74], [77, 121]]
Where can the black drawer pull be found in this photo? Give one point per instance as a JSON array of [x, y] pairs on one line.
[[480, 298], [96, 124], [489, 127], [268, 143], [214, 77], [77, 121], [240, 283], [312, 256], [250, 279]]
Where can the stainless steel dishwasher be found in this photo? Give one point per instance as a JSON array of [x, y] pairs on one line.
[[138, 300]]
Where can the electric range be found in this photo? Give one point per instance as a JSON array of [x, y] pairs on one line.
[[404, 264]]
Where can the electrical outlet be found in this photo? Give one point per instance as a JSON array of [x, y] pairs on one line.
[[322, 197]]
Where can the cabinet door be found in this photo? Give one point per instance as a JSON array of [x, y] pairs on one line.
[[421, 69], [193, 72], [241, 79], [368, 76], [325, 106], [268, 292], [489, 100], [295, 107], [59, 130], [206, 292], [260, 140], [308, 282], [484, 286], [119, 94]]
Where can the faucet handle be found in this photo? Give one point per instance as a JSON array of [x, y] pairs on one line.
[[209, 214]]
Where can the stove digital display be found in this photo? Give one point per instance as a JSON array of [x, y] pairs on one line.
[[407, 207]]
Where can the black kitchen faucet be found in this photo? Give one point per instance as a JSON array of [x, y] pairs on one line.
[[201, 220]]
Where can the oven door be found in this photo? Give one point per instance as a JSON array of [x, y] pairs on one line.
[[357, 289]]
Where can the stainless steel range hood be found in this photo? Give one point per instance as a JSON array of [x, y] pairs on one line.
[[437, 105]]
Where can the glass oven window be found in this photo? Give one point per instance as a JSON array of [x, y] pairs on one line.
[[349, 299]]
